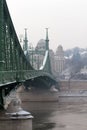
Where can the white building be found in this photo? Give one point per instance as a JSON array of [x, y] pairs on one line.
[[59, 60]]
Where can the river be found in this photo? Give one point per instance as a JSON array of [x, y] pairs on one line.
[[56, 116]]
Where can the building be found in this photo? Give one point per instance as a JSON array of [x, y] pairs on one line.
[[59, 60], [36, 55]]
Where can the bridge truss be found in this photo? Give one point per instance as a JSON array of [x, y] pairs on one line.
[[14, 66]]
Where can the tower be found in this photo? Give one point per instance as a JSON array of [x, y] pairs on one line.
[[47, 40], [59, 60], [48, 63], [25, 45]]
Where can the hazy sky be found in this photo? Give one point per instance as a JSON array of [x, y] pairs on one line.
[[66, 20]]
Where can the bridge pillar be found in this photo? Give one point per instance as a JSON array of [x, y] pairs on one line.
[[1, 98], [16, 117], [19, 119]]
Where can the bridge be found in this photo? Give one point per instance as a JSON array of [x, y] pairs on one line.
[[14, 66]]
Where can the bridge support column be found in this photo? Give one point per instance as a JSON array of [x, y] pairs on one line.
[[19, 119], [1, 98]]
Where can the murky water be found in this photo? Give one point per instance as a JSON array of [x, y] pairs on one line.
[[56, 116]]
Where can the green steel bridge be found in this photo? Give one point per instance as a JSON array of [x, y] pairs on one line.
[[14, 66]]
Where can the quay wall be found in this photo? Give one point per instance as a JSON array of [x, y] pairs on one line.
[[73, 85], [73, 91], [38, 95]]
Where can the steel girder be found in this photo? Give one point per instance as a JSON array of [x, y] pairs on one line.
[[14, 65]]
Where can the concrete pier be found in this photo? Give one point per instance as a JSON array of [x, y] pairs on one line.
[[17, 124], [20, 120], [16, 117]]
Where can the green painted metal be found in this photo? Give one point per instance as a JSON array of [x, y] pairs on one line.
[[19, 76], [47, 66], [25, 46], [14, 66], [11, 53], [13, 62], [47, 40], [1, 36]]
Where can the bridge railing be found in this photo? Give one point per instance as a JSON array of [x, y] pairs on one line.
[[17, 76], [20, 75], [7, 77]]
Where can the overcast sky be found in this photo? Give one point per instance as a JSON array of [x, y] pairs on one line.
[[66, 20]]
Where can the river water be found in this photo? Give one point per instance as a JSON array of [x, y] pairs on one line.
[[56, 116]]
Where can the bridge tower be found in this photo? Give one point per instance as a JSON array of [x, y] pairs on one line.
[[25, 46], [48, 63], [47, 40]]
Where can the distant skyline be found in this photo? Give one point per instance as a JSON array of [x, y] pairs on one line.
[[66, 20]]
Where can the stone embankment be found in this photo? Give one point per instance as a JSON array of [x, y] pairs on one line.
[[73, 91], [38, 96], [73, 85]]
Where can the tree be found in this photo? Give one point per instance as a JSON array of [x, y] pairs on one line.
[[76, 62]]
